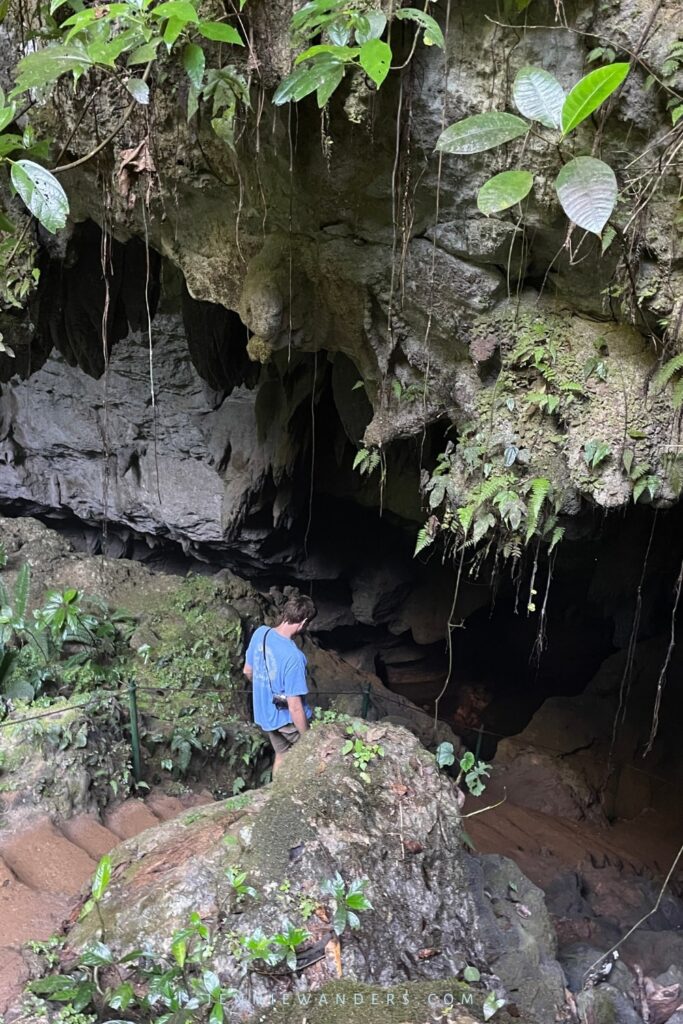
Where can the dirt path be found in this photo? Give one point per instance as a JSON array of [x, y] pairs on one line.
[[44, 867]]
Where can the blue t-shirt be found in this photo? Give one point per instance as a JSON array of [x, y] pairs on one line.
[[287, 670]]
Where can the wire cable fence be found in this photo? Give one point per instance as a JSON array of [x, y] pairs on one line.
[[369, 700]]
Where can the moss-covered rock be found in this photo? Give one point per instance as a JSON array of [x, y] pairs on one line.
[[434, 910]]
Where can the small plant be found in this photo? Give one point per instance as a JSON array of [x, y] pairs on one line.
[[351, 39], [363, 753], [595, 453], [307, 906], [287, 941], [641, 476], [586, 187], [347, 903], [366, 461], [492, 1004], [237, 880], [474, 771]]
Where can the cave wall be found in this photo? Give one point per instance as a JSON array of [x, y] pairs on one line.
[[314, 258]]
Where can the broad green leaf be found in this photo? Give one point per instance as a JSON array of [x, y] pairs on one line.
[[194, 62], [313, 12], [503, 191], [588, 94], [183, 10], [305, 80], [96, 955], [325, 90], [108, 51], [42, 194], [102, 877], [139, 90], [471, 974], [342, 53], [370, 26], [539, 96], [480, 132], [587, 190], [9, 142], [433, 33], [6, 116], [220, 32], [375, 60], [144, 54], [45, 66], [174, 27], [339, 33], [677, 113]]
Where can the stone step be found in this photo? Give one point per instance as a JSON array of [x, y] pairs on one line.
[[129, 819], [87, 832], [26, 914], [42, 858]]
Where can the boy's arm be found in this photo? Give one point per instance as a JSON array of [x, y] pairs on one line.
[[295, 690], [296, 710]]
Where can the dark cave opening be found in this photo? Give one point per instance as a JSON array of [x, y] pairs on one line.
[[348, 539]]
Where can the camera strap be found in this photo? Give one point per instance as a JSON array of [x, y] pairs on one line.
[[265, 661]]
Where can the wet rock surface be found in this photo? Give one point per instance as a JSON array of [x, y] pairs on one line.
[[436, 909]]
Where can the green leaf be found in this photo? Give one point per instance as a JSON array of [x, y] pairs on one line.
[[304, 81], [220, 32], [42, 194], [326, 88], [370, 26], [539, 96], [342, 53], [45, 66], [375, 60], [445, 754], [9, 142], [174, 28], [194, 62], [6, 116], [481, 132], [144, 54], [471, 974], [97, 955], [503, 191], [676, 113], [182, 10], [139, 90], [433, 33], [588, 94], [587, 190], [102, 878]]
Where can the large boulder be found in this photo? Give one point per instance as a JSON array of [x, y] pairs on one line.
[[436, 909]]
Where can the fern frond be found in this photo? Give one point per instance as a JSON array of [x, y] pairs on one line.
[[677, 396], [424, 539], [4, 595], [540, 489], [465, 515], [558, 534], [667, 371], [21, 591], [490, 488]]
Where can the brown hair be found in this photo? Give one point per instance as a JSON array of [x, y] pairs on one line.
[[298, 608]]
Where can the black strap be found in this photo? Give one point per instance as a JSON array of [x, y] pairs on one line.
[[265, 660]]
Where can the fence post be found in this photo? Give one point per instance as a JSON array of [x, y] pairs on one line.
[[134, 732], [366, 702]]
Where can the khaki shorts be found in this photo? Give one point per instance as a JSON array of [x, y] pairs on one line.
[[284, 738]]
